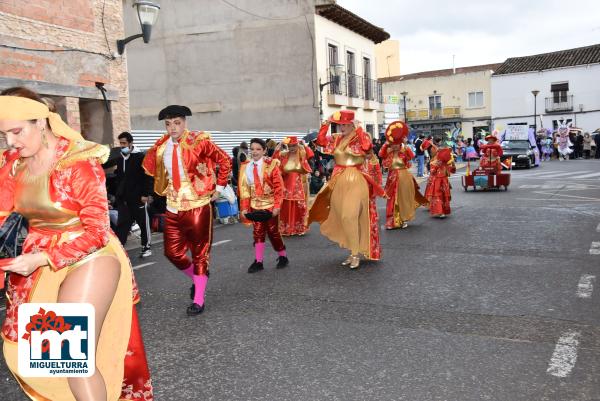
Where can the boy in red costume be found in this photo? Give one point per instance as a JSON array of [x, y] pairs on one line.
[[260, 187]]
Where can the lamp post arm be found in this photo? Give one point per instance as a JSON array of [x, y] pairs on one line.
[[122, 42]]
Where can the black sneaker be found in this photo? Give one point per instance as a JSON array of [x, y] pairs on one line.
[[282, 262], [146, 251], [195, 309], [255, 267]]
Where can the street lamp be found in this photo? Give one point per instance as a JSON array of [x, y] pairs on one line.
[[404, 105], [535, 93], [147, 13]]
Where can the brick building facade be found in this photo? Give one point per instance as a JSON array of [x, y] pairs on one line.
[[63, 49]]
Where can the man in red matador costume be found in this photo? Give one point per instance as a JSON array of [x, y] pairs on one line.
[[260, 187], [402, 190], [184, 164], [491, 154], [294, 157], [438, 191]]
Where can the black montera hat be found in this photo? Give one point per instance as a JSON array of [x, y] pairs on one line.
[[259, 215], [173, 111]]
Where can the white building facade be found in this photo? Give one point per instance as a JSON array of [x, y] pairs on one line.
[[345, 61], [567, 90]]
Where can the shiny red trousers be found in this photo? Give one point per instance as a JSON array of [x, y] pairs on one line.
[[271, 228], [190, 230]]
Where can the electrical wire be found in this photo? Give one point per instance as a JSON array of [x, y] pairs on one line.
[[66, 49], [104, 29], [259, 16]]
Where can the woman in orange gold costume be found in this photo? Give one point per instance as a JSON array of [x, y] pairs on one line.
[[342, 206], [294, 168], [54, 178], [401, 187]]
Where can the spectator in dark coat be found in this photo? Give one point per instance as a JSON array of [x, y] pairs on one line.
[[133, 190]]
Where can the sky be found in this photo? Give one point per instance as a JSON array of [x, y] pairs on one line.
[[479, 32]]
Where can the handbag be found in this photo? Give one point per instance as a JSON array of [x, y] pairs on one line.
[[12, 235]]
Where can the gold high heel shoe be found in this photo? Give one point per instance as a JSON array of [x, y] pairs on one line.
[[347, 261], [355, 262]]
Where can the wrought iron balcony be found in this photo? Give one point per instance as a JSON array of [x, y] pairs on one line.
[[355, 86], [559, 103], [337, 84], [370, 88]]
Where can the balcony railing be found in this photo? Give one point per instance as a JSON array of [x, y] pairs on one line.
[[559, 103], [433, 114], [338, 84], [355, 86], [370, 86]]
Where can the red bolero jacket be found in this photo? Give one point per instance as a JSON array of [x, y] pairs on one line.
[[387, 155], [200, 159], [272, 186]]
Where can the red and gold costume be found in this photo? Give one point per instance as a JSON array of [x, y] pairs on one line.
[[491, 154], [294, 170], [267, 194], [401, 188], [67, 211], [438, 187], [188, 222], [374, 170], [342, 205]]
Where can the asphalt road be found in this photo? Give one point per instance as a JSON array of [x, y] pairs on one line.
[[497, 302]]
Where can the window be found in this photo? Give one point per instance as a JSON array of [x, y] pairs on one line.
[[475, 99], [435, 106], [367, 79], [333, 54], [435, 102], [370, 128], [559, 91], [350, 69], [334, 87]]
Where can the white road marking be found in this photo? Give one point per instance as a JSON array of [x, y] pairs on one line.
[[221, 242], [557, 195], [592, 175], [564, 355], [598, 228], [557, 173], [586, 286], [562, 200], [595, 248], [143, 265]]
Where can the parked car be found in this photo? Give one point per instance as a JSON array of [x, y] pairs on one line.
[[521, 153]]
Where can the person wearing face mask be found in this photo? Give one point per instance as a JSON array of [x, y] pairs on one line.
[[184, 166], [133, 192]]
